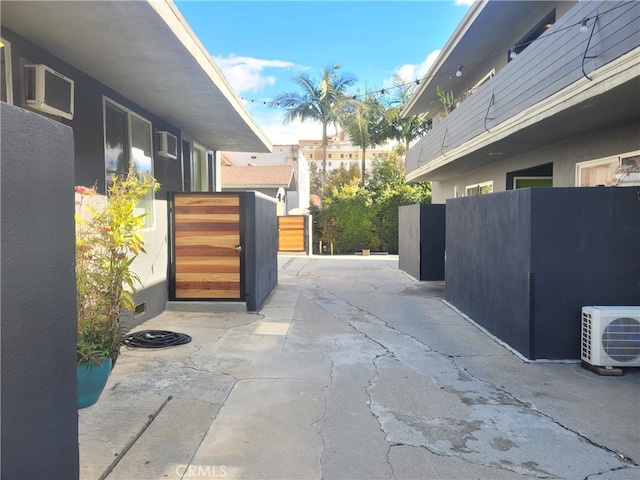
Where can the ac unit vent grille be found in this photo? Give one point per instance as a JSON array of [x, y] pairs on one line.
[[611, 336], [586, 335], [621, 339]]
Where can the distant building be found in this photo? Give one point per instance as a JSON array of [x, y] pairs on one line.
[[293, 184], [342, 152]]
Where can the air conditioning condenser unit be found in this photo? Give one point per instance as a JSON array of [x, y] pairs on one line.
[[611, 336]]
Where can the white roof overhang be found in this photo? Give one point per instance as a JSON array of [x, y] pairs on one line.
[[146, 51]]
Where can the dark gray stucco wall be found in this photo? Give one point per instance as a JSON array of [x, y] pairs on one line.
[[584, 252], [260, 269], [409, 240], [523, 263], [421, 241], [39, 399], [432, 241], [488, 262]]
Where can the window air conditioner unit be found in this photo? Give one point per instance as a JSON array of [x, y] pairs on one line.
[[167, 145], [48, 91], [611, 336]]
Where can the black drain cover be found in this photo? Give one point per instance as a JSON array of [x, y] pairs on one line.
[[155, 339]]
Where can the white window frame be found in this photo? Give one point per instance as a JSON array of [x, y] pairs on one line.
[[151, 224], [8, 72], [612, 160], [205, 159], [479, 187]]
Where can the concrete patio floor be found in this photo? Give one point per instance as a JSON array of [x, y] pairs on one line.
[[353, 370]]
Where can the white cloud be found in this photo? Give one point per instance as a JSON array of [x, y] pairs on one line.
[[465, 3], [246, 74], [409, 72], [271, 122]]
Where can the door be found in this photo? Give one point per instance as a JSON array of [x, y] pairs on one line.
[[207, 252]]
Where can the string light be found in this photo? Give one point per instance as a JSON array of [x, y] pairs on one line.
[[582, 26]]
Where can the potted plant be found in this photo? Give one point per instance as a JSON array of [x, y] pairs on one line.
[[108, 239]]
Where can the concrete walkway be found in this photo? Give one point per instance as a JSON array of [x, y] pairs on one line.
[[353, 370]]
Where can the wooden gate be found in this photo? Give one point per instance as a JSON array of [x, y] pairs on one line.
[[291, 234], [207, 251]]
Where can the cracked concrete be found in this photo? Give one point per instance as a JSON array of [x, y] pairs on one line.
[[354, 370]]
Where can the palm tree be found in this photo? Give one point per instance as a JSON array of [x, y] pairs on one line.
[[366, 125], [319, 101], [406, 129]]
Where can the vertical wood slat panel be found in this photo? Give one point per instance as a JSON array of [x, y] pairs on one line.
[[207, 228]]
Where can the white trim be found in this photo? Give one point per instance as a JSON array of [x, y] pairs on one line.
[[197, 146], [8, 70], [479, 186], [129, 113]]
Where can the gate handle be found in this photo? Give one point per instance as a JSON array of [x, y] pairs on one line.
[[238, 248]]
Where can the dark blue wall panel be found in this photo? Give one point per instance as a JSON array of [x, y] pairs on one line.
[[39, 400], [585, 252], [523, 263], [421, 241], [260, 270], [488, 264], [432, 242]]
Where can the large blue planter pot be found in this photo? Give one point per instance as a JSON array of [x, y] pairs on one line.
[[91, 381]]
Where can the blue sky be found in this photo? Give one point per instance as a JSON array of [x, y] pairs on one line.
[[260, 46]]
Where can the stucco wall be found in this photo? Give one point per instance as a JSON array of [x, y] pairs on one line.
[[409, 240], [260, 267], [421, 241], [523, 263], [39, 400], [89, 166]]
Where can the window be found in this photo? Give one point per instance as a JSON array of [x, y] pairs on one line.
[[342, 155], [6, 80], [350, 155], [618, 170], [329, 155], [311, 156], [479, 189], [546, 23], [199, 177], [127, 144]]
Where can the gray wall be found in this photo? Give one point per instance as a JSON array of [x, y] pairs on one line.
[[522, 263], [89, 168], [409, 240], [39, 399], [564, 156], [260, 268], [421, 241]]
